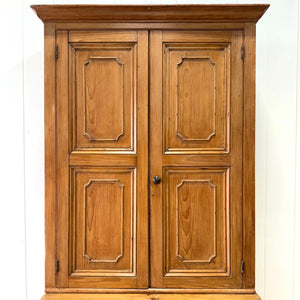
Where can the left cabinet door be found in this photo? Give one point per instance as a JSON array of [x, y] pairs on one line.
[[101, 154]]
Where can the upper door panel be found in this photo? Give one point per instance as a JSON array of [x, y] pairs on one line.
[[196, 98], [104, 96]]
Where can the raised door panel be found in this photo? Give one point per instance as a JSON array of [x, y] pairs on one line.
[[104, 97], [196, 98], [196, 228], [103, 222]]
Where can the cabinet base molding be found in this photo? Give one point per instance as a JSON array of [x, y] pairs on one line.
[[150, 296], [148, 291]]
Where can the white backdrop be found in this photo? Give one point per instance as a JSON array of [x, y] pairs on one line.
[[277, 149]]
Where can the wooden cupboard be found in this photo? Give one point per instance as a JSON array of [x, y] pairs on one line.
[[149, 148]]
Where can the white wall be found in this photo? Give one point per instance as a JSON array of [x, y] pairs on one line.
[[277, 149]]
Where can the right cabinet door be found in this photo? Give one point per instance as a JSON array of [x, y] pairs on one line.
[[196, 118]]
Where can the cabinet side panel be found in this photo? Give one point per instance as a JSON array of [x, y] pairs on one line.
[[249, 156], [50, 174], [62, 158]]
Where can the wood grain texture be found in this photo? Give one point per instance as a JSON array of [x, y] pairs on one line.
[[62, 154], [249, 156], [196, 160], [225, 270], [150, 297], [152, 291], [50, 155], [196, 222], [188, 36], [142, 160], [104, 96], [166, 13], [101, 223], [104, 209], [196, 100], [103, 206], [81, 158], [102, 36], [189, 69], [156, 129], [236, 125], [85, 26]]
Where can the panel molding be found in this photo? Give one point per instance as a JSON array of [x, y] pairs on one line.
[[121, 186], [86, 64], [177, 124], [223, 267], [216, 139], [79, 256], [180, 185], [121, 139]]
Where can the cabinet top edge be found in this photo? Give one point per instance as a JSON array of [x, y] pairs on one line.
[[150, 13]]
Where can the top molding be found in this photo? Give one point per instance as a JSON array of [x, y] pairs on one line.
[[150, 13]]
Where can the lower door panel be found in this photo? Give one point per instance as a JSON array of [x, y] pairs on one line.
[[196, 222], [103, 223]]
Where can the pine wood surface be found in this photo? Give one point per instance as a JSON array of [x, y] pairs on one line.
[[148, 25], [107, 223], [249, 156], [180, 68], [148, 297], [97, 123], [50, 148]]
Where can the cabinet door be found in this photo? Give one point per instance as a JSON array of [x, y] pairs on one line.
[[196, 148], [102, 159]]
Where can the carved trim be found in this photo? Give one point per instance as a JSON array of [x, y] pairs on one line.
[[214, 187], [179, 64], [85, 133], [183, 58], [121, 186]]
